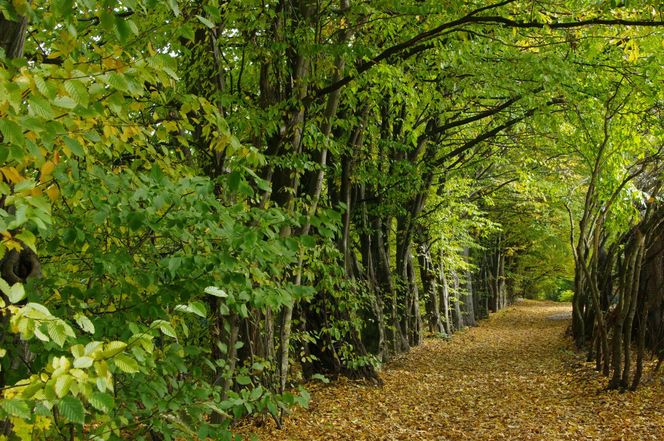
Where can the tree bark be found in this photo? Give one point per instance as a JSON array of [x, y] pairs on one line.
[[12, 36], [469, 301]]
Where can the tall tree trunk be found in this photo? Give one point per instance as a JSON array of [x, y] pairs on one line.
[[457, 315], [416, 324], [445, 298], [621, 312], [629, 323], [469, 301], [431, 290]]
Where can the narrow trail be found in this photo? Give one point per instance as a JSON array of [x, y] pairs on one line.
[[514, 377]]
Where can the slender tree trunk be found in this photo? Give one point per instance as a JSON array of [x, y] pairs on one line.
[[469, 301], [629, 324], [457, 314], [502, 295], [641, 344], [416, 325], [621, 313], [445, 298]]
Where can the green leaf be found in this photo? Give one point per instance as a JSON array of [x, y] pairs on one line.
[[31, 389], [63, 8], [234, 180], [41, 85], [102, 401], [11, 132], [62, 385], [304, 398], [77, 351], [17, 408], [65, 102], [126, 364], [84, 323], [4, 286], [214, 291], [122, 29], [198, 308], [132, 27], [57, 332], [41, 107], [78, 92], [72, 409], [272, 407], [39, 333], [243, 380], [182, 308], [117, 81], [83, 362], [93, 346], [256, 393], [73, 145], [16, 293], [320, 377], [174, 6], [167, 329], [206, 22], [112, 348], [135, 220], [224, 309], [28, 238]]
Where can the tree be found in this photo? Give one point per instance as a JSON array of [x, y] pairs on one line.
[[219, 196]]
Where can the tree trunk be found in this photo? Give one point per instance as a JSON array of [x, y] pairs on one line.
[[457, 315], [629, 324], [445, 298], [12, 36], [431, 291], [416, 324], [469, 301]]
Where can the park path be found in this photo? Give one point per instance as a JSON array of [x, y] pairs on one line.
[[514, 377]]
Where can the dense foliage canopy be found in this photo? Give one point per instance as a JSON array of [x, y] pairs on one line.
[[204, 202]]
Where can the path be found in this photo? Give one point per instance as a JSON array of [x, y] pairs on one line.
[[514, 377]]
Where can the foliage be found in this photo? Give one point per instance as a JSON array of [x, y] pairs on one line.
[[200, 201]]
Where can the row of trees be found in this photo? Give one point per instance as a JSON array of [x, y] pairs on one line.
[[618, 301], [203, 203]]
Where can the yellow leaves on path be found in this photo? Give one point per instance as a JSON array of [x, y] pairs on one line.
[[515, 377]]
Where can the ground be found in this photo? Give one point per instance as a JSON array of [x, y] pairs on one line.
[[514, 377]]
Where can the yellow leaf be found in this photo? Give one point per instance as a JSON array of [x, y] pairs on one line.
[[53, 192], [11, 174], [46, 170], [13, 245]]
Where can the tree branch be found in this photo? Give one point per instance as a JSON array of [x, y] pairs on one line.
[[471, 18]]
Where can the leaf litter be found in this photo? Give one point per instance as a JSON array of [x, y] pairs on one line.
[[514, 377]]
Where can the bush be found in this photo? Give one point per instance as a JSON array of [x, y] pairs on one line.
[[566, 296]]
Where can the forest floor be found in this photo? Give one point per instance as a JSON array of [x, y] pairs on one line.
[[514, 377]]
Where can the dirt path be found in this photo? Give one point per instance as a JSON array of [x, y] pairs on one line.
[[514, 377]]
